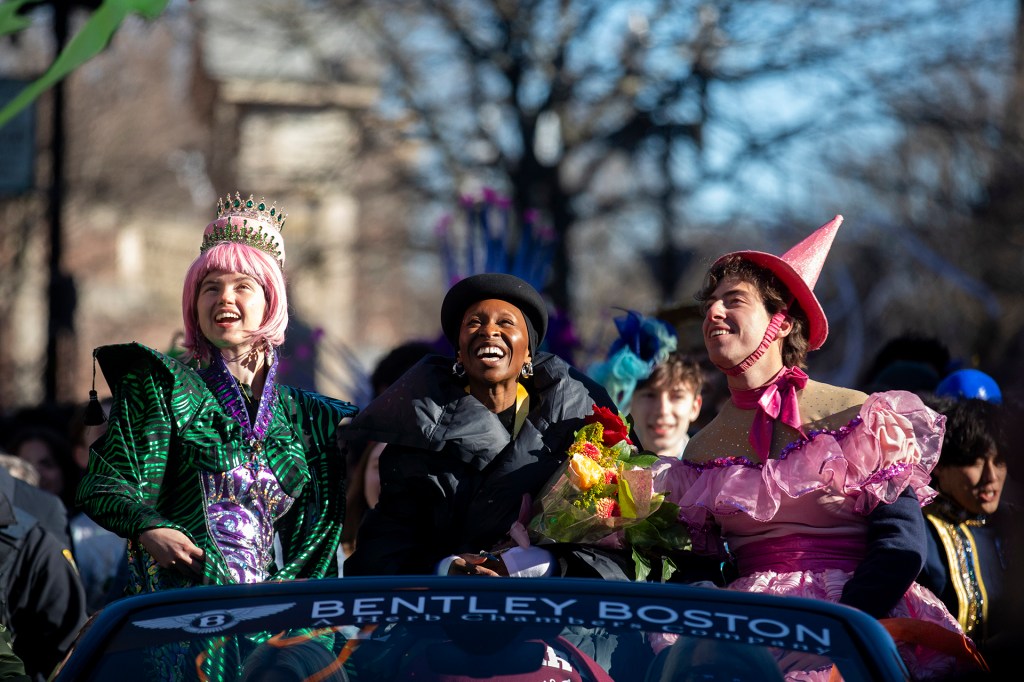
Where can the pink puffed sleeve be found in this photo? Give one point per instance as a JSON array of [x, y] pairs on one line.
[[893, 443], [896, 446]]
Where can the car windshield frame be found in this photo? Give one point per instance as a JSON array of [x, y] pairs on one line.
[[857, 643]]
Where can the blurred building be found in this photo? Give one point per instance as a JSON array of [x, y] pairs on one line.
[[284, 100], [212, 97]]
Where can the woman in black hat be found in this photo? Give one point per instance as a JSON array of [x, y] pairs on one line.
[[468, 437]]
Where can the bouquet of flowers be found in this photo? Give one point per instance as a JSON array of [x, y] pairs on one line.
[[605, 495]]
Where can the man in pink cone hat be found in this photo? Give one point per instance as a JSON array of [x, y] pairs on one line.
[[811, 490]]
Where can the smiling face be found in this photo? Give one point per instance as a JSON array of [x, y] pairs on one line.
[[735, 321], [230, 307], [976, 487], [493, 345], [662, 416]]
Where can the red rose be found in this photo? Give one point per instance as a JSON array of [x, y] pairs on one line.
[[614, 429]]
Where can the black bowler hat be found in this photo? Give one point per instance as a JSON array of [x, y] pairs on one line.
[[494, 285]]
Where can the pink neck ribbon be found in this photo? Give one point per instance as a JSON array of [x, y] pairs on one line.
[[775, 401]]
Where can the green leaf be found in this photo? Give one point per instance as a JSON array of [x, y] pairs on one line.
[[641, 461], [642, 565], [644, 535], [627, 503], [660, 532], [668, 567], [10, 20], [86, 44], [621, 451]]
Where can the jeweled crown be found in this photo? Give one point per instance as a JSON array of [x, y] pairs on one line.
[[247, 221]]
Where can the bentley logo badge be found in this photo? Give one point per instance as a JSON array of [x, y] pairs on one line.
[[206, 622]]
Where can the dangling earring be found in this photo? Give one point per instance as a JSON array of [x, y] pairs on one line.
[[527, 371], [458, 369]]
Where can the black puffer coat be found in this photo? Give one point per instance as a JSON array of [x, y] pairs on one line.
[[452, 477]]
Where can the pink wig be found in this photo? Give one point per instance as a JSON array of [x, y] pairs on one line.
[[234, 257]]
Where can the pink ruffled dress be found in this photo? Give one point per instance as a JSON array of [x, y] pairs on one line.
[[796, 525]]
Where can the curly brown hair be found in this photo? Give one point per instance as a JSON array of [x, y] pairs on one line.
[[773, 293], [677, 369]]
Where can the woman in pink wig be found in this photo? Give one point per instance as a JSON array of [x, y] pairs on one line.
[[205, 462]]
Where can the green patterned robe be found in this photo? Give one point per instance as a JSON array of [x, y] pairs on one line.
[[166, 428]]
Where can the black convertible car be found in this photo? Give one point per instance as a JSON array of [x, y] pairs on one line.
[[461, 629]]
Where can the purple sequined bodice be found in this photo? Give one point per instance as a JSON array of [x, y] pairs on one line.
[[242, 505]]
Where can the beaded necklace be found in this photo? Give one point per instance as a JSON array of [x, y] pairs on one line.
[[223, 385]]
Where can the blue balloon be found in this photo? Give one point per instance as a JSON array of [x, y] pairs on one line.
[[970, 383]]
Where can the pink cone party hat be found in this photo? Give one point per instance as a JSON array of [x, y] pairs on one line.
[[798, 270]]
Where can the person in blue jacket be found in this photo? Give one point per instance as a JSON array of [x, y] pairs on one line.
[[969, 564]]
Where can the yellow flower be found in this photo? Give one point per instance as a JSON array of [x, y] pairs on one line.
[[584, 472]]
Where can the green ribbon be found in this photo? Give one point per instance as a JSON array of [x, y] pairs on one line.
[[90, 40]]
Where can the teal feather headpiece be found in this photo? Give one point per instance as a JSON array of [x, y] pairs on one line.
[[643, 343]]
